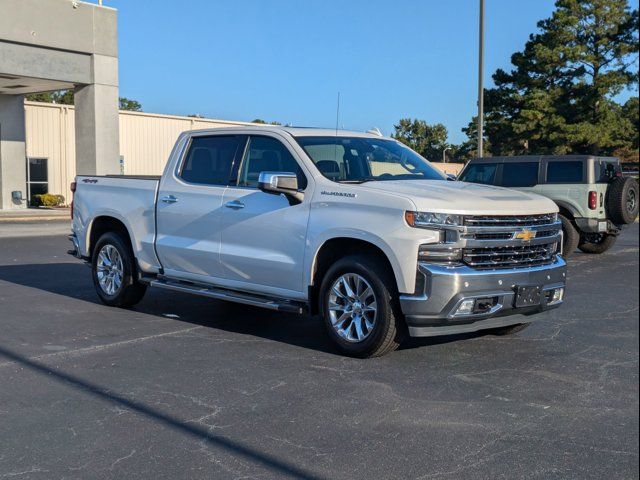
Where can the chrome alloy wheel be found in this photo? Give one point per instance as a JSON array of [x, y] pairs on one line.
[[109, 269], [352, 307]]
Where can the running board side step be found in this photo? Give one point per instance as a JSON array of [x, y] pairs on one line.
[[277, 304]]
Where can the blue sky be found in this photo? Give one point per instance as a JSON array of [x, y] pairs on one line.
[[286, 60]]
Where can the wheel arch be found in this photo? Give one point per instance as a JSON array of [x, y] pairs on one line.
[[332, 249], [102, 224]]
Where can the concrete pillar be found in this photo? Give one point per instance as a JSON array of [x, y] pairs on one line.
[[13, 163], [96, 119]]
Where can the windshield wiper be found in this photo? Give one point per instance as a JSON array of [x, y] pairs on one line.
[[360, 180]]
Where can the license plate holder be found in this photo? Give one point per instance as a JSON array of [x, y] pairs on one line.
[[528, 296]]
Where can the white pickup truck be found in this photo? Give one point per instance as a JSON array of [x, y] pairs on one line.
[[352, 226]]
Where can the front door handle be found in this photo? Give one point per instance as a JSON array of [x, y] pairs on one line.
[[235, 204], [169, 199]]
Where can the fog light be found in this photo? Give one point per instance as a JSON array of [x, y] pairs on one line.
[[466, 307], [555, 296], [558, 295]]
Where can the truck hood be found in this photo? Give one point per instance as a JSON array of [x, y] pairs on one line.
[[444, 196]]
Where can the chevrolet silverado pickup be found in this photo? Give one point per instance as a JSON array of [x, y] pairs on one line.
[[354, 227]]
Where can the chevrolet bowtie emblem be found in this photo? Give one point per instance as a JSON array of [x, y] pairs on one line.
[[526, 235]]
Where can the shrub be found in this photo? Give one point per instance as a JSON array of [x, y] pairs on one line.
[[47, 200]]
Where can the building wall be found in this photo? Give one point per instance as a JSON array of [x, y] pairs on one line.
[[146, 140]]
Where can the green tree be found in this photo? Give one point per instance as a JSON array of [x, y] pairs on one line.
[[131, 105], [262, 122], [469, 148], [428, 140], [559, 97]]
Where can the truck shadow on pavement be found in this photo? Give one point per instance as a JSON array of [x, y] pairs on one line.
[[73, 280]]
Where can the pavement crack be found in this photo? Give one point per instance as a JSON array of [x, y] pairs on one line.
[[99, 348]]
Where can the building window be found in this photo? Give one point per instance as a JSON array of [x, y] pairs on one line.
[[37, 177]]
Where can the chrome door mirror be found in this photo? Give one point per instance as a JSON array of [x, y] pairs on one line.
[[278, 183]]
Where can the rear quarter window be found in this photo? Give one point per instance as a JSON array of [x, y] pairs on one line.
[[565, 172], [520, 174], [480, 173]]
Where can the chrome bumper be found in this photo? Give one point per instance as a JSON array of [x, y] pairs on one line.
[[433, 311]]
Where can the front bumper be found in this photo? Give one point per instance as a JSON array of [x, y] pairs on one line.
[[434, 311]]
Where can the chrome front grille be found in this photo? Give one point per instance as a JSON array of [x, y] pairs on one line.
[[494, 242], [516, 221], [510, 257]]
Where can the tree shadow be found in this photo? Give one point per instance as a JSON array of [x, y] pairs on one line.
[[233, 447]]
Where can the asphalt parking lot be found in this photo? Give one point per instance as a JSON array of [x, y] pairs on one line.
[[186, 387]]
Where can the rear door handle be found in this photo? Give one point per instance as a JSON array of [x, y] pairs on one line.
[[235, 204], [169, 199]]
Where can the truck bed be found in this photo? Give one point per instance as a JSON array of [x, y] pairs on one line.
[[129, 198]]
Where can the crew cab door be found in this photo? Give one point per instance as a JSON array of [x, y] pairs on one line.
[[189, 207], [263, 235]]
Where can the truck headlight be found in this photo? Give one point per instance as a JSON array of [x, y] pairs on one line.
[[431, 219]]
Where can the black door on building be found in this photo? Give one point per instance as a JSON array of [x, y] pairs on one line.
[[37, 177]]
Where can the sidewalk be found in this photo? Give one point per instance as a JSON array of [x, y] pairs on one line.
[[35, 215]]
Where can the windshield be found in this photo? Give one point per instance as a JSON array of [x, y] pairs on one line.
[[357, 160]]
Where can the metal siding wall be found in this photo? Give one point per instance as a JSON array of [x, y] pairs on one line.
[[146, 140]]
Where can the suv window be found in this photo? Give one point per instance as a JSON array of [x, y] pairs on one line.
[[480, 173], [519, 174], [606, 170], [210, 159], [266, 154], [565, 172]]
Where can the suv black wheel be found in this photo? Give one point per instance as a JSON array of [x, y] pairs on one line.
[[596, 242], [622, 200], [359, 306], [571, 237], [114, 272]]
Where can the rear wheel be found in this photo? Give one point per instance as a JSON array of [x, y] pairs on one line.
[[571, 237], [359, 306], [596, 242], [114, 272]]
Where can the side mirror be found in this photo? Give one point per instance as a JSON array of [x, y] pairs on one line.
[[451, 177], [277, 183]]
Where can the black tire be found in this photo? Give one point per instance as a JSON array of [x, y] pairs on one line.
[[510, 330], [596, 242], [622, 200], [571, 237], [388, 329], [130, 291]]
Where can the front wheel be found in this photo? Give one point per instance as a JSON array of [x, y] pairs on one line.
[[114, 272], [570, 237], [596, 242], [359, 306]]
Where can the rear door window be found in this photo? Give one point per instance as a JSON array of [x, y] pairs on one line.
[[210, 159], [480, 173], [519, 174], [565, 172]]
